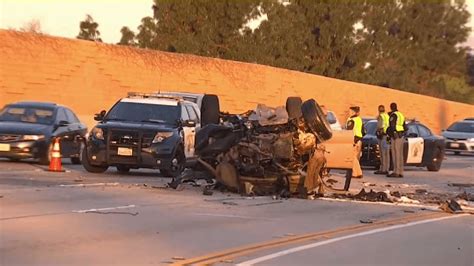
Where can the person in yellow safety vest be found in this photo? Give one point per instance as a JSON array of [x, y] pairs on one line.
[[384, 146], [396, 131], [355, 124]]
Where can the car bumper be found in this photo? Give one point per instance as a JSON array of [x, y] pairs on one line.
[[459, 146], [23, 149], [157, 156], [370, 155]]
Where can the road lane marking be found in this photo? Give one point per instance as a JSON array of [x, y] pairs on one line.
[[105, 209], [231, 253], [233, 216], [89, 185], [326, 242]]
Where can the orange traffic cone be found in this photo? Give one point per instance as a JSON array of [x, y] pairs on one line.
[[55, 163]]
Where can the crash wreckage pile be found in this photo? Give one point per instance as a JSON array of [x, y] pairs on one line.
[[266, 151]]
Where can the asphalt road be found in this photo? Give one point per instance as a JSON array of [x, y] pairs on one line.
[[77, 218]]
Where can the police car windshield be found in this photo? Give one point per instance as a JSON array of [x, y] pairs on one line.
[[467, 127], [140, 112], [33, 115], [371, 127]]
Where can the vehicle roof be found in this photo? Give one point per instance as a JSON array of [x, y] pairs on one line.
[[155, 101], [36, 104], [465, 121]]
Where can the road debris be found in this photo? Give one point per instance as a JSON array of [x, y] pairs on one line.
[[207, 192], [451, 206], [461, 184], [466, 196], [366, 221], [178, 258], [405, 199], [229, 203], [266, 203], [372, 196]]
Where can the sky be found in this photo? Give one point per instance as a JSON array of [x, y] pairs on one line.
[[62, 17]]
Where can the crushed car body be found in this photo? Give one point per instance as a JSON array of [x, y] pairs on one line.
[[270, 150]]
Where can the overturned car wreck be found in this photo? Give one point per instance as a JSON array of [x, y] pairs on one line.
[[278, 151]]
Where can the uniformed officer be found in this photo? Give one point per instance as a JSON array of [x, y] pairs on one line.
[[355, 124], [384, 146], [396, 132]]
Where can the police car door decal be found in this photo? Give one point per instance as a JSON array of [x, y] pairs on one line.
[[415, 150]]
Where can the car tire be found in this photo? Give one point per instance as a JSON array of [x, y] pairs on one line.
[[210, 109], [91, 168], [293, 107], [123, 169], [316, 120], [46, 158], [434, 166], [179, 155], [75, 160]]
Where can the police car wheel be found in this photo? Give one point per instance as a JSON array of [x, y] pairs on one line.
[[91, 168], [293, 107], [436, 161], [316, 120], [123, 169], [176, 170]]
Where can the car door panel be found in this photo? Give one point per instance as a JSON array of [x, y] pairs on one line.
[[75, 132], [189, 134], [64, 133], [415, 150]]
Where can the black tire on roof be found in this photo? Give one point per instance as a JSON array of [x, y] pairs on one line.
[[210, 109], [316, 120], [293, 107]]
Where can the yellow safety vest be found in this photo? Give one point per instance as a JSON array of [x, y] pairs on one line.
[[385, 121], [357, 126], [400, 122]]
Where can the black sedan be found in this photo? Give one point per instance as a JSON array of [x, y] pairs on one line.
[[28, 128], [422, 148]]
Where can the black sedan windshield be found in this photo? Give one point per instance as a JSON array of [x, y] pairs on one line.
[[24, 114], [140, 112], [462, 127]]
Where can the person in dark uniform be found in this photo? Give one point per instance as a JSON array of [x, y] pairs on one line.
[[384, 146], [355, 124], [396, 131]]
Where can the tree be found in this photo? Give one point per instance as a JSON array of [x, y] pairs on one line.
[[128, 37], [201, 27], [411, 45], [32, 26], [89, 30]]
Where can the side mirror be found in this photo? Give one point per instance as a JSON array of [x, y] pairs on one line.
[[412, 135], [188, 123], [63, 123], [100, 116]]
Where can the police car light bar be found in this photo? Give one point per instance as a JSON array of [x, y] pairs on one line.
[[152, 95]]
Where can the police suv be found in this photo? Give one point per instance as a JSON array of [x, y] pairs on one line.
[[144, 131]]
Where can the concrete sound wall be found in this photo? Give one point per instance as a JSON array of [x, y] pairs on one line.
[[89, 77]]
